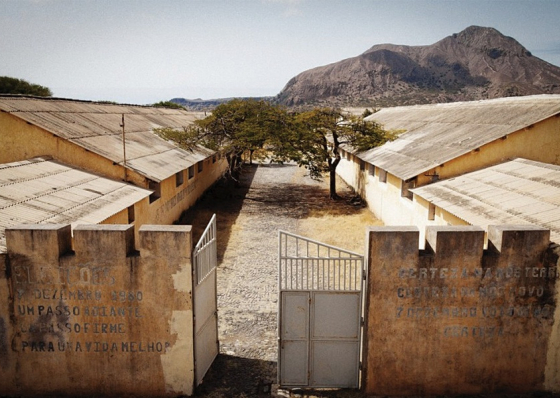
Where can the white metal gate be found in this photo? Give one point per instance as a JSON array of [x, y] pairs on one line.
[[319, 315], [205, 258]]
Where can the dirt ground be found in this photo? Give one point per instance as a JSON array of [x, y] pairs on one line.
[[268, 198]]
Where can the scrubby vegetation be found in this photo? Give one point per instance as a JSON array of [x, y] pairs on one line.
[[11, 85]]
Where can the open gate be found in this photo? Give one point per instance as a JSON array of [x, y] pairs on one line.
[[319, 315], [205, 258]]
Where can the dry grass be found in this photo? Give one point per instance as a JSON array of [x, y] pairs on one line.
[[344, 231]]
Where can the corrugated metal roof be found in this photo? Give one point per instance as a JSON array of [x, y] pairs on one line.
[[516, 192], [97, 128], [41, 190], [435, 134]]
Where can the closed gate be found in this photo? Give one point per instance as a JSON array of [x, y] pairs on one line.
[[206, 343], [319, 314]]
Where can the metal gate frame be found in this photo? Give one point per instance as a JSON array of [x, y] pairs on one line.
[[205, 304], [320, 314]]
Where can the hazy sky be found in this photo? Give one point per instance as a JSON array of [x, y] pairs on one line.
[[144, 51]]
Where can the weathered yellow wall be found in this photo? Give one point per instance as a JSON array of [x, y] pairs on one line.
[[540, 143], [420, 217], [481, 321], [99, 321], [22, 141], [175, 200]]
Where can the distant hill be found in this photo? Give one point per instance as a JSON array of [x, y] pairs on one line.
[[207, 105], [477, 63]]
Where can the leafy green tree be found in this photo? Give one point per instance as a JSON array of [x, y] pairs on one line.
[[168, 104], [234, 128], [10, 85], [261, 129], [368, 112], [315, 138]]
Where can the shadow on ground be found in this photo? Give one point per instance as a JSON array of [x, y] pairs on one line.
[[296, 200], [232, 376], [225, 199]]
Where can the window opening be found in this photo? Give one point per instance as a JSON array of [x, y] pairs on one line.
[[382, 175], [131, 214], [432, 212], [156, 188], [179, 178], [406, 186]]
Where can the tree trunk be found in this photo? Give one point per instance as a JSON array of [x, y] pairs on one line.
[[332, 183]]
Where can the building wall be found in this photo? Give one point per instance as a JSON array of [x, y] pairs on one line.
[[539, 142], [440, 217], [484, 320], [175, 199], [101, 320], [383, 198], [20, 140]]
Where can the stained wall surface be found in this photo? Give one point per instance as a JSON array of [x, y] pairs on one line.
[[92, 316], [457, 319]]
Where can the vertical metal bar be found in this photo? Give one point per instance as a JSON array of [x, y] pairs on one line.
[[344, 275], [313, 276], [323, 274], [279, 263]]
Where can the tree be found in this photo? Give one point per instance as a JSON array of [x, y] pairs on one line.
[[167, 104], [10, 85], [234, 128], [316, 136], [261, 129]]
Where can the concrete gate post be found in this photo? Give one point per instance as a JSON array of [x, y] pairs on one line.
[[455, 318]]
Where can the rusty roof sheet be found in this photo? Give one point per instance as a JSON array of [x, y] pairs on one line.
[[97, 128], [41, 190], [437, 133], [516, 192]]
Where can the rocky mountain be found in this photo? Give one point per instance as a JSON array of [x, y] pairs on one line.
[[476, 63]]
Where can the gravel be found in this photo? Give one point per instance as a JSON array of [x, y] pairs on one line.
[[269, 198]]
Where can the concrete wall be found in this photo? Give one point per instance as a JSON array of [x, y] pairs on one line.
[[383, 198], [101, 319], [456, 319]]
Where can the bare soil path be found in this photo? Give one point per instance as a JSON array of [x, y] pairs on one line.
[[269, 198]]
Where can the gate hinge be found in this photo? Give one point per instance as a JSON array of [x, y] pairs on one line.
[[362, 321], [360, 366]]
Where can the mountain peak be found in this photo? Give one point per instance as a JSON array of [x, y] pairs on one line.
[[489, 39], [476, 63]]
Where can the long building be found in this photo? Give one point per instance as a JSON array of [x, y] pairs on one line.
[[444, 141], [116, 142]]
